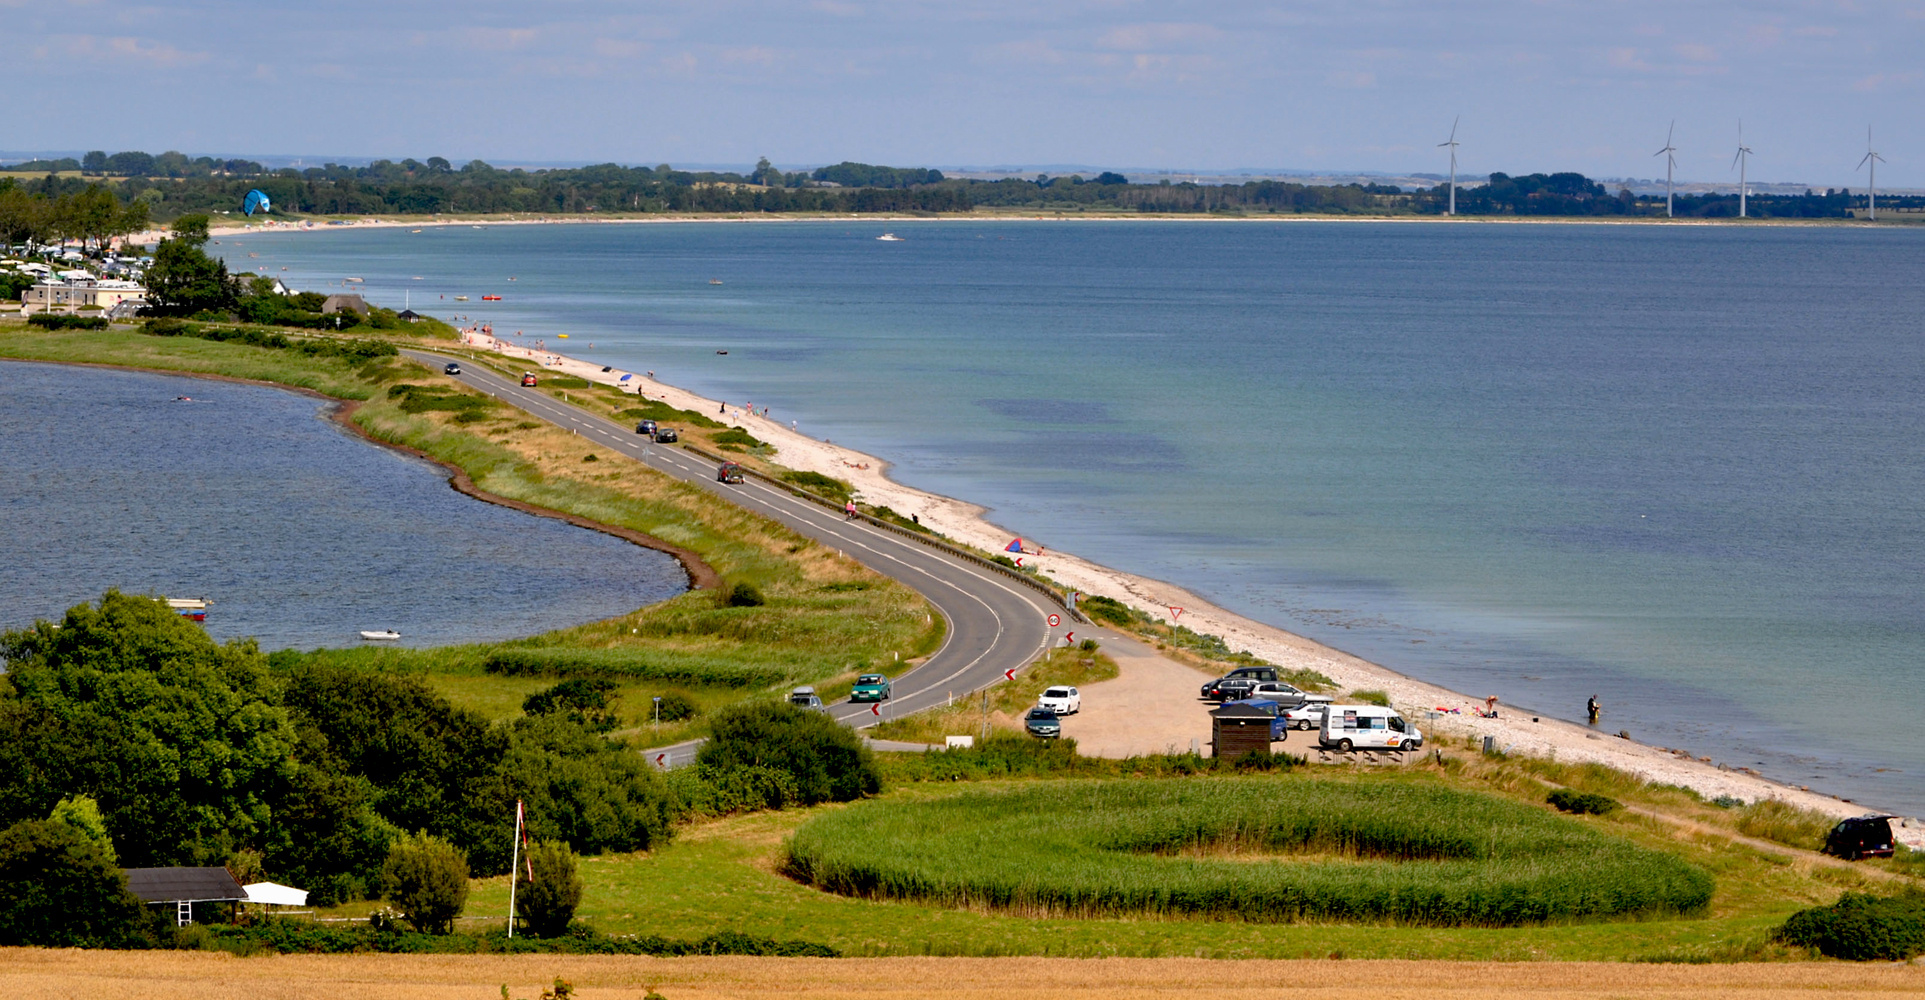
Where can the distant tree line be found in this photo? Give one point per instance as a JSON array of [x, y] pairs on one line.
[[171, 185]]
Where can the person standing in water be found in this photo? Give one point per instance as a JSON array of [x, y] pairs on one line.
[[1592, 707]]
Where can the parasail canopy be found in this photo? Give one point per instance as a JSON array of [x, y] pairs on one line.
[[256, 202]]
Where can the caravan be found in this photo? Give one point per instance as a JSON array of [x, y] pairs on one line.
[[1367, 727]]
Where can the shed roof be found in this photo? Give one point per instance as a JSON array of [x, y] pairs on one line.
[[336, 303], [1240, 710], [173, 885]]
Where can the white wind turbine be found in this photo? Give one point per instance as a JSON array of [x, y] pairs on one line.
[[1872, 158], [1670, 162], [1741, 160], [1453, 144]]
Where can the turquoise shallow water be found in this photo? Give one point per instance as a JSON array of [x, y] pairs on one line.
[[1677, 467]]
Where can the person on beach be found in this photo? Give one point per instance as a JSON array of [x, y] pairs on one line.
[[849, 511], [1490, 707], [1592, 707], [724, 410]]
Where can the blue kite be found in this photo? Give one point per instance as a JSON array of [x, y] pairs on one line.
[[256, 202]]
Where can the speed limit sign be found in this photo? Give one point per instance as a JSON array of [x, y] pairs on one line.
[[1054, 621]]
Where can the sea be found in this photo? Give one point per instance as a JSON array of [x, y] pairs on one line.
[[300, 534], [1677, 467]]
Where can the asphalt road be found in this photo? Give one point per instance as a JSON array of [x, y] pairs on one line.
[[994, 623]]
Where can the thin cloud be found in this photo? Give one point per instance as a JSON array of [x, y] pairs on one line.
[[155, 55], [1149, 37]]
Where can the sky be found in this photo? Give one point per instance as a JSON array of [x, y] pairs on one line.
[[1315, 85]]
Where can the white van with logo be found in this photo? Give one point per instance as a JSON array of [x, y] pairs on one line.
[[1367, 727]]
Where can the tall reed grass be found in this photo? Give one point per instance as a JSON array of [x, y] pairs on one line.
[[1363, 853]]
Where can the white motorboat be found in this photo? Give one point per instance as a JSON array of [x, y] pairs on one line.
[[890, 238], [385, 636]]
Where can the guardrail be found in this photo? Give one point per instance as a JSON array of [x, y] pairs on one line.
[[926, 539]]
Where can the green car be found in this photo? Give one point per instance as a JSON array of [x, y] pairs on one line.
[[870, 687]]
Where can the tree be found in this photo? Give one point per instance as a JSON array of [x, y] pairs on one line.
[[94, 162], [826, 759], [547, 903], [427, 879], [83, 815], [176, 736], [58, 891], [183, 280], [23, 217]]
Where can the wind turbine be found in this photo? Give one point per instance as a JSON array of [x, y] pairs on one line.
[[1741, 160], [1670, 162], [1453, 144], [1872, 158]]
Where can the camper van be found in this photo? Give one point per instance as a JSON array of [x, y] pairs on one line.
[[1367, 727]]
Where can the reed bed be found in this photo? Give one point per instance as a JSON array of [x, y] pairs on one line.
[[1257, 849]]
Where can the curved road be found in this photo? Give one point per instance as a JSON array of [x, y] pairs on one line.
[[994, 623]]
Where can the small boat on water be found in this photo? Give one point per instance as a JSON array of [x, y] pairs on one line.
[[461, 298], [192, 608], [890, 238], [491, 298], [715, 281], [385, 636]]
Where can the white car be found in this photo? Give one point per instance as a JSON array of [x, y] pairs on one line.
[[1308, 715], [1061, 700]]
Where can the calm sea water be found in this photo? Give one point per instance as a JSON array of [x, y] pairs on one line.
[[300, 533], [1675, 467]]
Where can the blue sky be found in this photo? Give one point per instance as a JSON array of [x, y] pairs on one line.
[[1358, 85]]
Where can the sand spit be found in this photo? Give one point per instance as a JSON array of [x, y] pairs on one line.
[[1512, 731]]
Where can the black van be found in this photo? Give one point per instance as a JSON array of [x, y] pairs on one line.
[[1867, 836]]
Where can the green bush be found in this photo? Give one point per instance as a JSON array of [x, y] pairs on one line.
[[660, 412], [583, 699], [57, 890], [1781, 822], [547, 903], [51, 321], [421, 399], [816, 482], [676, 706], [1861, 928], [427, 878], [1411, 854], [639, 664], [1110, 611], [1571, 801], [744, 595], [825, 758], [1369, 698], [737, 436]]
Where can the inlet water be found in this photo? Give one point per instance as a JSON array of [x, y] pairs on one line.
[[1677, 467], [300, 533]]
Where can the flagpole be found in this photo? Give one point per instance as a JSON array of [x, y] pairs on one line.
[[514, 869]]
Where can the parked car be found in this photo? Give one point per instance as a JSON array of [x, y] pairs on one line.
[[805, 697], [1279, 726], [1308, 715], [871, 687], [1867, 836], [646, 427], [451, 369], [665, 435], [1061, 700], [1043, 723], [1238, 683], [528, 379], [1367, 727], [1283, 694]]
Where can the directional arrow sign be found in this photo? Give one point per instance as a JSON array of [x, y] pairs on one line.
[[1009, 674]]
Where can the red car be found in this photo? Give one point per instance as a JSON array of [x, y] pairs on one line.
[[528, 378]]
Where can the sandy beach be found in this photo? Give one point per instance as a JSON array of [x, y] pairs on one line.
[[1447, 716]]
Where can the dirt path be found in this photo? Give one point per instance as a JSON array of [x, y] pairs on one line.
[[30, 974], [1150, 707]]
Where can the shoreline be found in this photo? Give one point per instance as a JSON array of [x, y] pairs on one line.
[[969, 524]]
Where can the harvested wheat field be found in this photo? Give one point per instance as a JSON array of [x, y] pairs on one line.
[[68, 974]]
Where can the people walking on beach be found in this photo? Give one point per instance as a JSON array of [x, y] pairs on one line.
[[1592, 707]]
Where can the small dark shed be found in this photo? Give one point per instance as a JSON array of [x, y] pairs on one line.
[[408, 314], [184, 887], [1237, 729]]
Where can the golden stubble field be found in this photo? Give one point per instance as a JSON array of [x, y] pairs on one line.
[[70, 974]]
